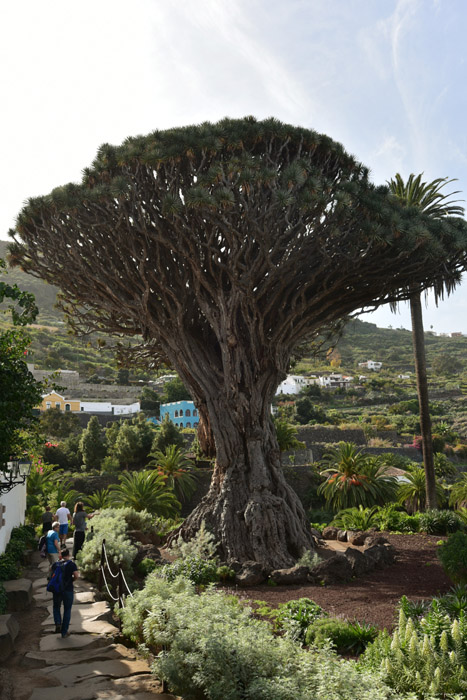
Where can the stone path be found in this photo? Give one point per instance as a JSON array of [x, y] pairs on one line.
[[88, 665]]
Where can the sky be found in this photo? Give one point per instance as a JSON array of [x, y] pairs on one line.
[[386, 78]]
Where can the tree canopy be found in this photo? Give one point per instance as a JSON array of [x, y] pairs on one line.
[[225, 246]]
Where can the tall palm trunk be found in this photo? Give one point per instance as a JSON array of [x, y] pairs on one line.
[[422, 389]]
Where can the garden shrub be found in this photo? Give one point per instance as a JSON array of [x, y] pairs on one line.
[[9, 567], [416, 660], [3, 599], [135, 520], [295, 616], [453, 557], [112, 527], [225, 574], [202, 545], [196, 569], [439, 522], [310, 559], [392, 518], [345, 637], [146, 566]]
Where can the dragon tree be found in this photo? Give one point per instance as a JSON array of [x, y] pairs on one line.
[[225, 246]]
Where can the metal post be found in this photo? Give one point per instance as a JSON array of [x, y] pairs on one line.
[[101, 578]]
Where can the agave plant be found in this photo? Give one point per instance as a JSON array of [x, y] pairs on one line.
[[145, 490], [174, 464], [355, 478]]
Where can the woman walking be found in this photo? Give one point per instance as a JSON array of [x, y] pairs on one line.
[[79, 521]]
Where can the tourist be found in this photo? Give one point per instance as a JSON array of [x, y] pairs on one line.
[[70, 572], [52, 544], [47, 519], [63, 515], [79, 521]]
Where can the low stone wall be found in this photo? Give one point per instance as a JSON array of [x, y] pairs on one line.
[[310, 435]]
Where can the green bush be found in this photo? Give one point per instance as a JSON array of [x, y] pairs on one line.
[[439, 522], [112, 527], [225, 574], [3, 599], [394, 519], [345, 637], [196, 569], [296, 616], [453, 557], [135, 520], [146, 566], [9, 568]]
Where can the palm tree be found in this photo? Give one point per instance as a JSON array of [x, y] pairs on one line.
[[412, 493], [98, 500], [145, 490], [355, 479], [428, 198], [286, 435], [458, 497], [179, 470]]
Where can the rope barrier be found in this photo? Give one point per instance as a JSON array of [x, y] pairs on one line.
[[106, 585]]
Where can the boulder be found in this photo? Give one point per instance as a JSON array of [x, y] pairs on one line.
[[374, 539], [137, 536], [357, 538], [9, 629], [330, 533], [19, 594], [336, 569], [382, 554], [296, 574], [147, 551], [342, 535], [251, 574], [359, 563]]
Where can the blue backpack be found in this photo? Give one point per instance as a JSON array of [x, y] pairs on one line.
[[57, 581]]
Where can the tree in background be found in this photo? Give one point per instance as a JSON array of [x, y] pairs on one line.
[[92, 444], [428, 198], [55, 423], [123, 376], [286, 435], [175, 390], [19, 391], [446, 364], [307, 413], [168, 434], [150, 401], [225, 246]]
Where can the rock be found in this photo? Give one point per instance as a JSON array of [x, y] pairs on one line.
[[374, 539], [329, 533], [357, 538], [147, 551], [359, 563], [9, 629], [342, 535], [333, 570], [251, 574], [382, 554], [296, 574], [19, 593], [235, 565]]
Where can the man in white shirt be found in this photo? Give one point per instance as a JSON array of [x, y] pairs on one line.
[[63, 515]]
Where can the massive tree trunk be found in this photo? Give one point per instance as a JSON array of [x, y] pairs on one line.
[[423, 402], [253, 512]]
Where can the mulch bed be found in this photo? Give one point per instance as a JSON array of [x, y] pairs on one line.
[[372, 598]]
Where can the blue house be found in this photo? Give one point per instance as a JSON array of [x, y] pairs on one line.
[[182, 413]]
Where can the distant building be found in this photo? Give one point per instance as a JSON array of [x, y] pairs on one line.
[[335, 381], [294, 383], [457, 335], [56, 400], [371, 364], [182, 413]]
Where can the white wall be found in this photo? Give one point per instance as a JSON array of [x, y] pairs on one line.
[[15, 508], [96, 406]]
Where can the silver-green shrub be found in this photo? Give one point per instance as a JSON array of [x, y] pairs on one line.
[[210, 646], [120, 551]]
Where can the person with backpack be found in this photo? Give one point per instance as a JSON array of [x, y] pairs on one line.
[[52, 544], [64, 572]]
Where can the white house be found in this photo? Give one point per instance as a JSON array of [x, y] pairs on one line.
[[12, 511], [371, 364], [335, 380], [108, 407], [294, 383]]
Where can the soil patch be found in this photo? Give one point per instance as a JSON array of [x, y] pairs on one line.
[[372, 598]]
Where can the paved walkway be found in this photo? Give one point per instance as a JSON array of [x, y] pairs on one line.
[[88, 665]]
